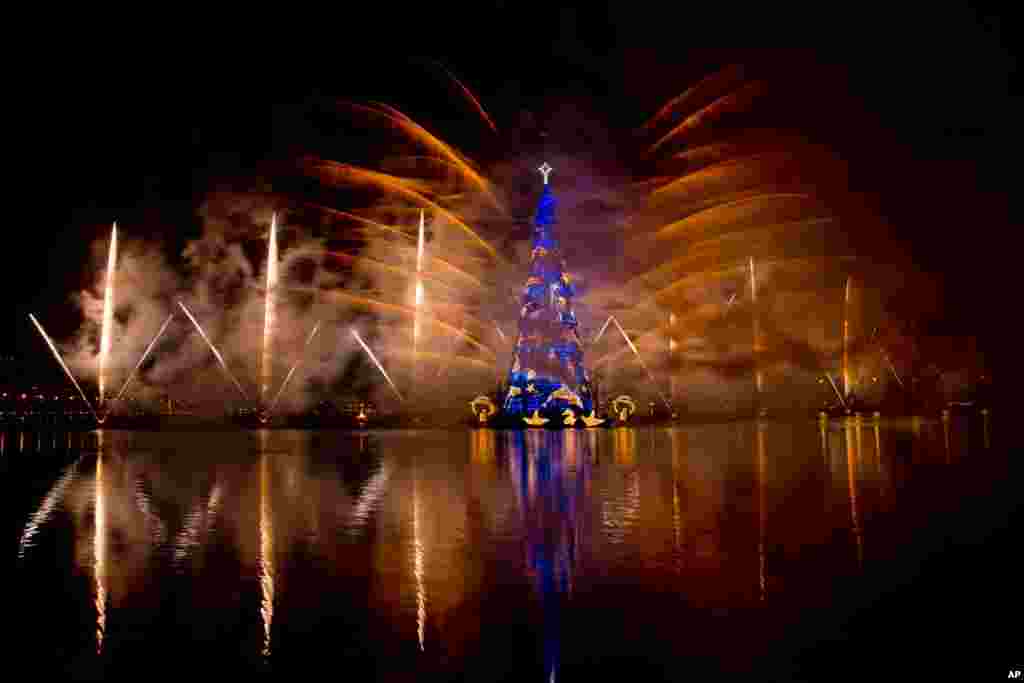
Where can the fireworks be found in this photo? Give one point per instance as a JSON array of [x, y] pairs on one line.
[[377, 363], [56, 354], [144, 356], [280, 391], [268, 315], [107, 328], [694, 214], [213, 348]]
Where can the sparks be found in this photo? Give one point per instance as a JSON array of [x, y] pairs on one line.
[[377, 363], [603, 328], [268, 314], [145, 355], [418, 301], [642, 363], [213, 348], [56, 354], [108, 313], [758, 375], [267, 570], [99, 547], [280, 391], [842, 401], [846, 340]]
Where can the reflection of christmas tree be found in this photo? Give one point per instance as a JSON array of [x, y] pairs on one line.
[[547, 372], [554, 476]]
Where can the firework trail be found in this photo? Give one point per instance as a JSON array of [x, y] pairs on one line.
[[291, 372], [637, 354], [106, 330], [268, 314], [213, 348], [377, 363], [145, 355], [56, 354]]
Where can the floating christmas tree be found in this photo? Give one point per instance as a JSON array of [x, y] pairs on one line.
[[547, 375]]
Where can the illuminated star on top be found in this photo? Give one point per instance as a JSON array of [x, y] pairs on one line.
[[545, 169]]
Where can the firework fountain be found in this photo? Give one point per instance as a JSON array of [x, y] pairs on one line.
[[377, 363], [758, 375], [145, 355], [268, 316], [107, 327], [216, 353], [639, 358], [418, 301], [847, 386], [67, 371], [280, 391]]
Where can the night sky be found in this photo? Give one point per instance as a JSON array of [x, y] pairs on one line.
[[919, 104]]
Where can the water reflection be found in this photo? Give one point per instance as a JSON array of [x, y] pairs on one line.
[[854, 450], [46, 509], [100, 552], [267, 568], [412, 536], [762, 508], [421, 594], [559, 466]]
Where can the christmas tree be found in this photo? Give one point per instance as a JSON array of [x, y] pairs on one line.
[[547, 375]]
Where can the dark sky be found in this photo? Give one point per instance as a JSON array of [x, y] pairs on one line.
[[920, 103]]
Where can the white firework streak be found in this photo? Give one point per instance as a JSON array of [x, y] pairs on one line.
[[142, 503], [188, 537], [42, 515], [370, 496]]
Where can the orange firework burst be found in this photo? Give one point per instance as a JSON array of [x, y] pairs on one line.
[[339, 173]]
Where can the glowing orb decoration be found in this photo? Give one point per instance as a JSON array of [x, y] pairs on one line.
[[483, 407], [624, 406]]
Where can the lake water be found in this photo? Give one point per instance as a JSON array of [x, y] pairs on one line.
[[785, 550]]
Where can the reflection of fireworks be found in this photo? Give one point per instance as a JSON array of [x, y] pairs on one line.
[[188, 537], [421, 594], [370, 496], [762, 508], [267, 570], [42, 515], [99, 548], [142, 502], [852, 462]]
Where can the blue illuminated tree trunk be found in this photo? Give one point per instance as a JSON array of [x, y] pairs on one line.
[[547, 373]]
